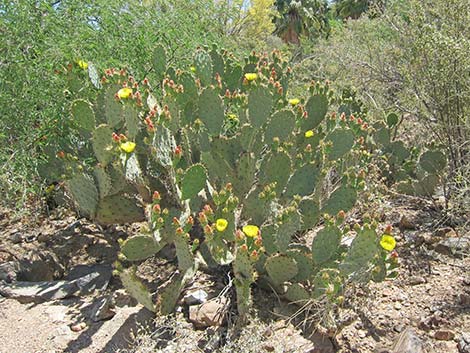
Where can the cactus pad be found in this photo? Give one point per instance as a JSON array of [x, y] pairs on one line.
[[118, 209], [83, 115], [310, 213], [204, 67], [433, 161], [193, 181], [103, 144], [362, 251], [342, 142], [325, 244], [84, 192], [303, 181], [140, 247], [280, 125], [260, 103], [211, 110], [297, 294], [316, 107], [136, 288], [281, 268], [342, 199], [159, 62]]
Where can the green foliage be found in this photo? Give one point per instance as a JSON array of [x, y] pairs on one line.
[[246, 191]]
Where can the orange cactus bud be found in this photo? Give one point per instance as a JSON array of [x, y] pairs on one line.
[[61, 154], [208, 230], [179, 230], [190, 220], [388, 229], [176, 221], [244, 248], [156, 208], [341, 214], [156, 196]]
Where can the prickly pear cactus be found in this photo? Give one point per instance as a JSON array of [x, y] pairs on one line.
[[239, 171]]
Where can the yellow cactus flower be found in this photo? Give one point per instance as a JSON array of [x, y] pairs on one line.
[[250, 230], [221, 224], [127, 147], [251, 76], [124, 93], [309, 133], [82, 64], [294, 101], [388, 242]]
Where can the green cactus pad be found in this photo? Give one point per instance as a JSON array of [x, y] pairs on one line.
[[254, 208], [433, 161], [168, 296], [110, 109], [84, 192], [316, 107], [362, 251], [399, 153], [342, 142], [426, 186], [217, 63], [327, 278], [140, 247], [297, 294], [103, 181], [183, 253], [260, 103], [204, 67], [303, 181], [233, 76], [131, 117], [280, 125], [211, 110], [382, 134], [242, 267], [103, 144], [304, 264], [119, 209], [136, 288], [246, 169], [194, 180], [227, 148], [220, 251], [286, 230], [342, 199], [268, 234], [310, 213], [164, 145], [159, 62], [276, 168], [281, 268], [325, 245], [392, 119], [83, 115]]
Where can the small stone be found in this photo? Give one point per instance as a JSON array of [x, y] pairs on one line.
[[103, 309], [408, 342], [269, 347], [361, 333], [397, 306], [464, 299], [195, 297], [16, 237], [406, 223], [268, 332], [457, 247], [464, 343], [398, 328], [78, 327], [415, 280], [446, 232], [211, 313], [444, 335]]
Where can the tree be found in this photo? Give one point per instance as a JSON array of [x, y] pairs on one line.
[[302, 17]]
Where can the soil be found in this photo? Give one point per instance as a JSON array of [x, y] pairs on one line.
[[430, 298]]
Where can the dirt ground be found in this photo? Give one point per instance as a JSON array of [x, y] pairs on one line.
[[430, 298]]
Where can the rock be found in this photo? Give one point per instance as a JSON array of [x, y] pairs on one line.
[[408, 342], [103, 309], [464, 343], [415, 280], [195, 297], [406, 223], [464, 299], [322, 344], [446, 232], [8, 271], [211, 313], [17, 237], [122, 298], [78, 327], [37, 292], [397, 306], [457, 247], [268, 347], [39, 266], [444, 335]]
